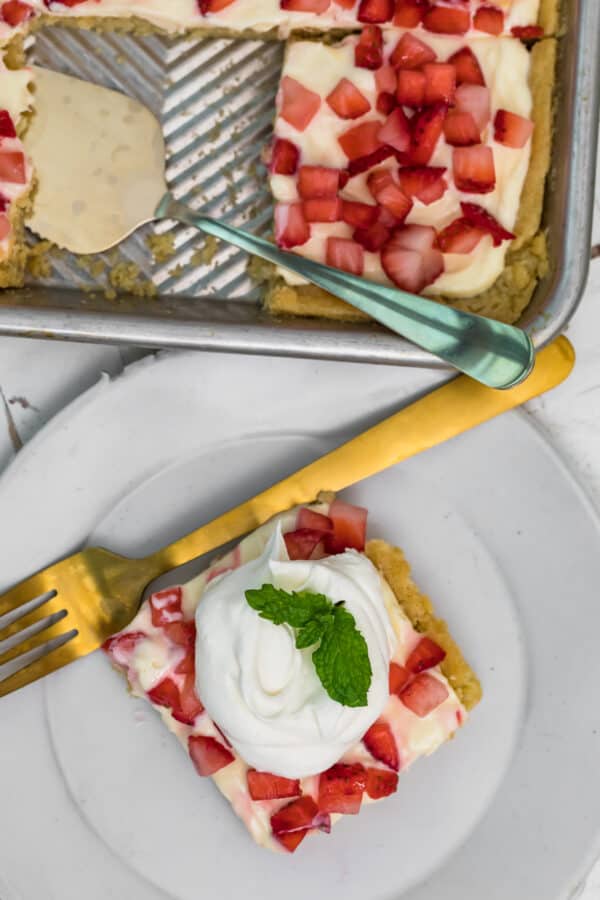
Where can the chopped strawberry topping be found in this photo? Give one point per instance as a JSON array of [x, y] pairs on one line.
[[120, 647], [208, 754], [327, 209], [14, 12], [372, 238], [291, 228], [301, 543], [264, 786], [361, 140], [426, 183], [411, 53], [395, 132], [165, 693], [427, 126], [399, 676], [411, 88], [468, 70], [385, 80], [206, 6], [315, 182], [527, 32], [165, 606], [308, 518], [345, 254], [424, 656], [358, 215], [440, 83], [460, 129], [489, 19], [511, 129], [474, 170], [424, 694], [381, 783], [341, 788], [347, 101], [381, 744], [316, 6], [364, 163], [375, 11], [7, 128], [291, 839], [480, 218], [408, 268], [298, 105], [386, 103], [409, 13], [460, 237], [299, 815], [389, 194], [447, 19], [12, 166], [349, 527], [368, 53], [183, 702], [474, 99], [284, 157]]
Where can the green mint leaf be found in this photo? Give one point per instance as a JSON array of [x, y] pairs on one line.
[[296, 608], [313, 631], [342, 661]]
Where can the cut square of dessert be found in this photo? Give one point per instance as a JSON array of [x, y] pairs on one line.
[[403, 158], [303, 671]]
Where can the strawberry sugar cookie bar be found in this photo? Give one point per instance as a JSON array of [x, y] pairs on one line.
[[303, 672]]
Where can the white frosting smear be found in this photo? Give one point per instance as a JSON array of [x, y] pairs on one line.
[[264, 693]]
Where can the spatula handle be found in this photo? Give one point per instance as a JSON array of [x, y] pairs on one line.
[[493, 353]]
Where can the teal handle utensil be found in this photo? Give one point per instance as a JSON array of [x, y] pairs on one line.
[[495, 354]]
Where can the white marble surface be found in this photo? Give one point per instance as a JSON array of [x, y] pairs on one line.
[[38, 378]]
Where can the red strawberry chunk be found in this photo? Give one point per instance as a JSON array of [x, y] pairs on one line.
[[368, 53], [327, 209], [511, 129], [5, 226], [358, 215], [120, 647], [398, 677], [460, 129], [341, 788], [7, 128], [165, 607], [284, 157], [385, 80], [527, 32], [206, 6], [189, 705], [264, 786], [389, 194], [409, 13], [299, 815], [427, 126], [424, 694], [361, 140], [466, 65], [345, 254], [165, 693], [381, 783], [489, 19], [364, 163], [345, 4], [308, 518], [381, 744], [316, 6], [301, 543], [481, 218], [474, 170], [426, 183], [440, 83], [298, 105], [460, 237], [372, 238], [416, 237], [375, 11], [14, 12], [411, 88], [385, 103], [395, 132], [411, 53], [291, 228], [403, 267], [347, 101], [420, 239], [208, 754], [447, 19], [425, 655], [184, 635], [12, 166], [349, 527], [433, 265], [315, 182], [291, 839], [474, 99]]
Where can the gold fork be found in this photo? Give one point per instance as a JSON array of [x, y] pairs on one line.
[[70, 608]]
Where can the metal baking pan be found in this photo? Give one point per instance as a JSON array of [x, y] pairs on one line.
[[216, 101]]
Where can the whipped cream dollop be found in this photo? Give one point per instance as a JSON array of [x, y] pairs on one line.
[[260, 690]]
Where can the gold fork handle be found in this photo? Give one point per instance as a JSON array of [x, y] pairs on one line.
[[449, 410]]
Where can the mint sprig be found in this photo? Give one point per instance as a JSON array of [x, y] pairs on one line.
[[341, 658]]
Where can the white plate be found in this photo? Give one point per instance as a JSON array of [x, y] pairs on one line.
[[96, 801]]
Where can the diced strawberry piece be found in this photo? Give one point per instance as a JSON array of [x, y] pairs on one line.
[[181, 633], [291, 839], [315, 6], [316, 182], [440, 83], [298, 815], [187, 665], [308, 518], [527, 32], [489, 19], [327, 209], [349, 527], [447, 19], [474, 99], [398, 677], [411, 88], [341, 788], [264, 786], [381, 783], [14, 12], [4, 203], [189, 707], [301, 543], [208, 755], [511, 129], [481, 218], [120, 647], [381, 744], [433, 265], [420, 240], [395, 131], [425, 655], [368, 53], [388, 193], [372, 238], [345, 4], [206, 6], [358, 215], [385, 80], [165, 607], [411, 53], [375, 11], [12, 166], [424, 694], [284, 157], [416, 237], [386, 103], [460, 129], [385, 217], [345, 254], [409, 13], [364, 163], [297, 105], [468, 70], [291, 228], [403, 267], [474, 170], [7, 128], [361, 140], [165, 693], [426, 183], [427, 126], [347, 101], [460, 237], [5, 226]]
